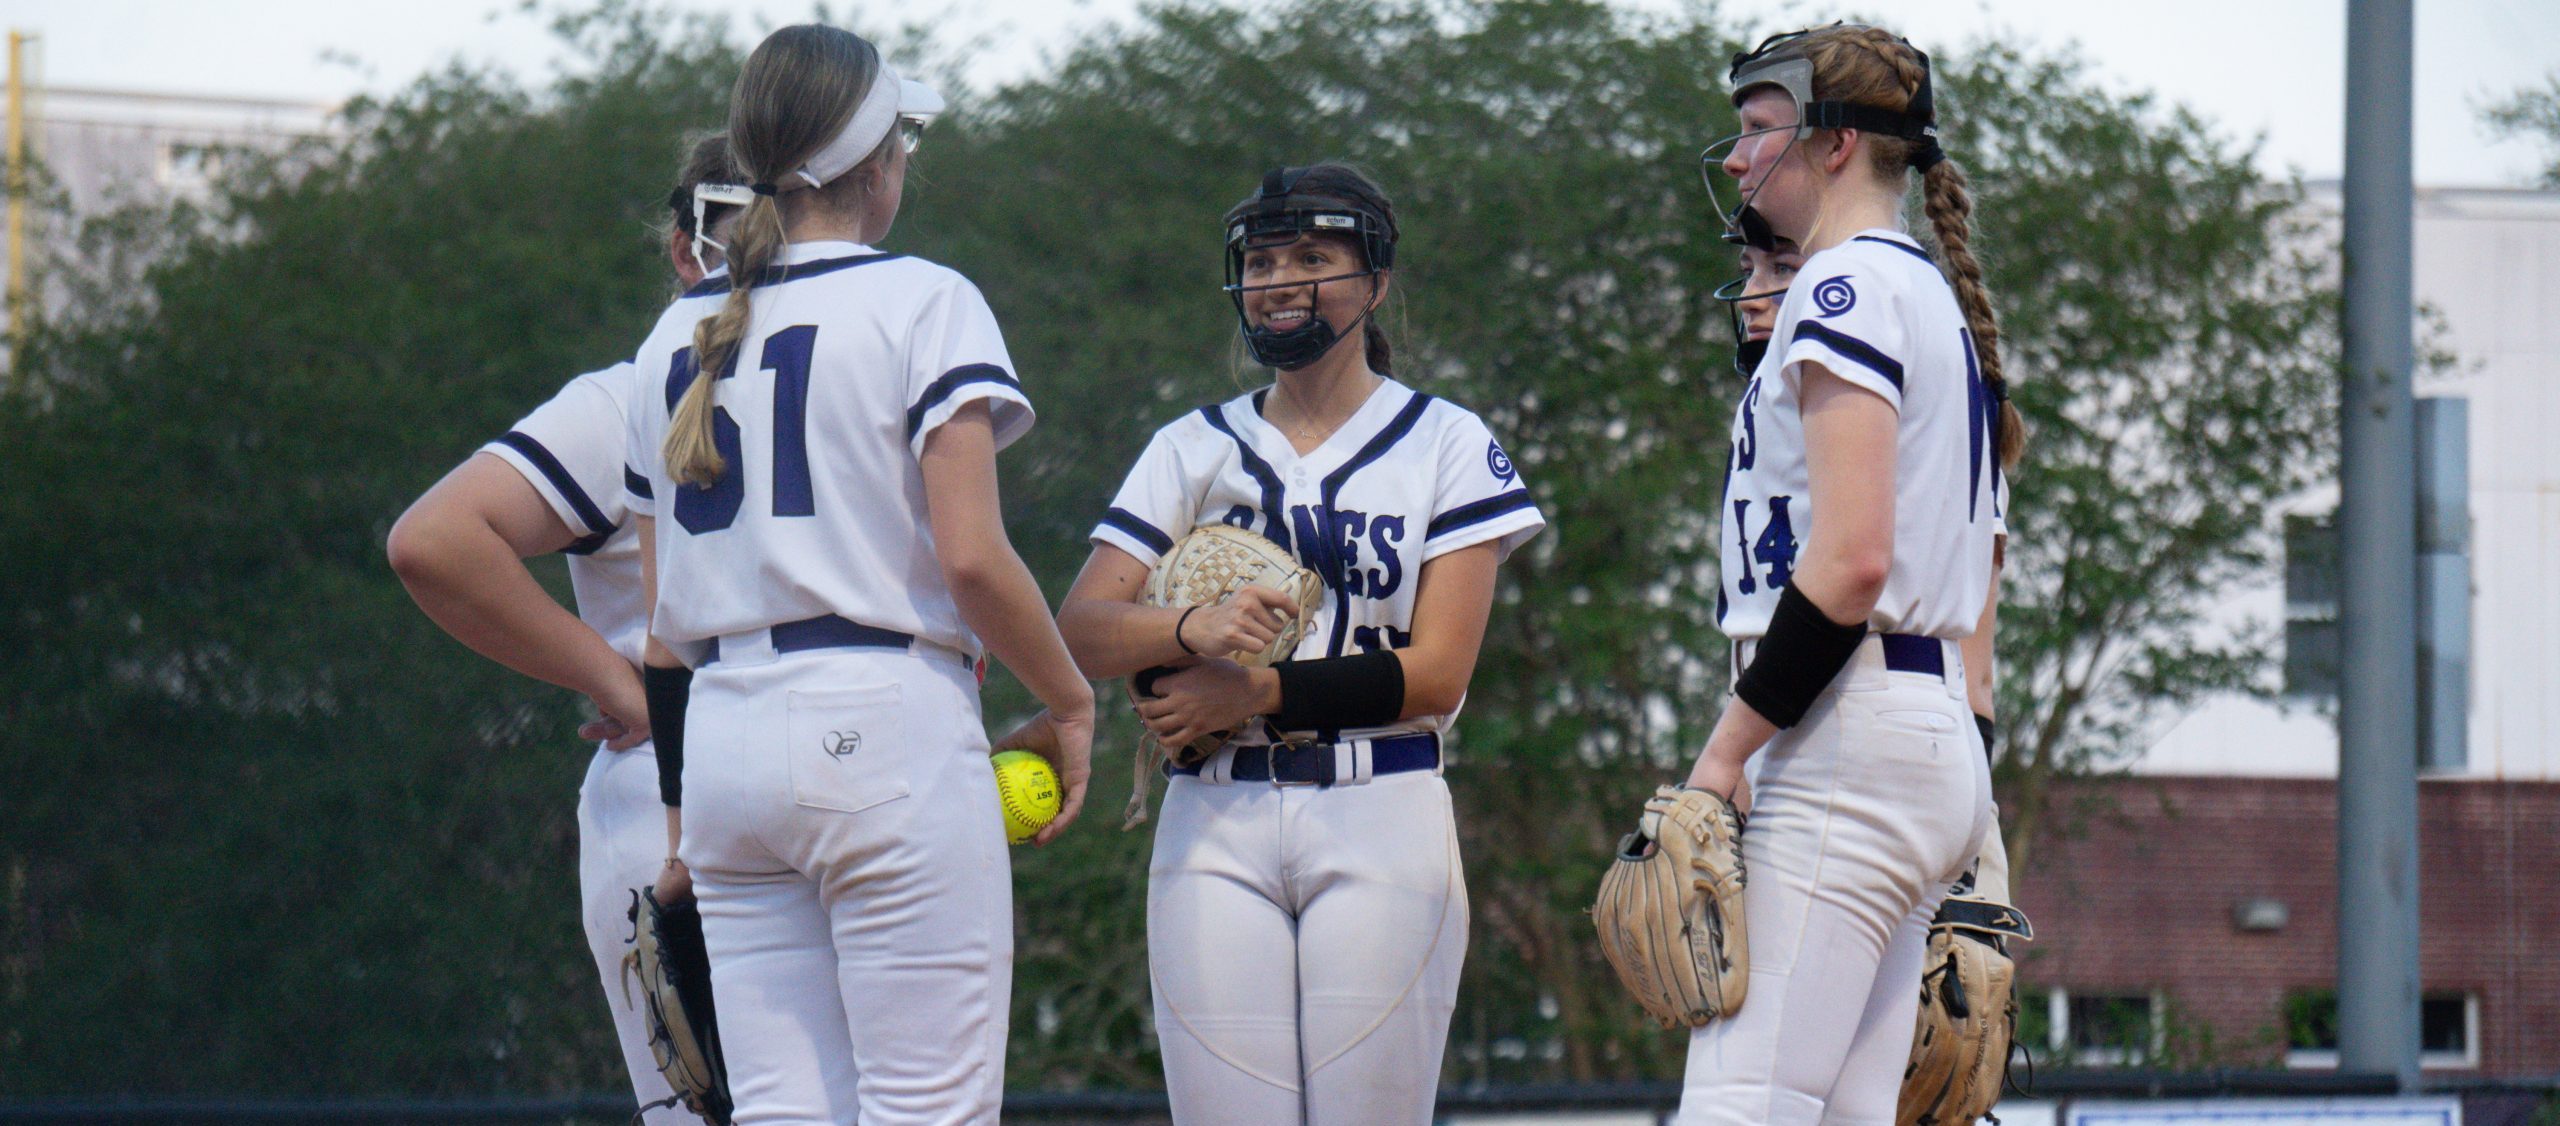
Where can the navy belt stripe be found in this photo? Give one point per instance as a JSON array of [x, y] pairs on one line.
[[826, 631], [1313, 763], [1910, 652]]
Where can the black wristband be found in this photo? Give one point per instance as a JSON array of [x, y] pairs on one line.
[[1984, 723], [667, 691], [1801, 654], [1333, 693], [1177, 631]]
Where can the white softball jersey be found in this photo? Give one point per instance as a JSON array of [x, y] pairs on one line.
[[794, 528], [1866, 809], [839, 817], [1407, 479], [570, 450], [1876, 312]]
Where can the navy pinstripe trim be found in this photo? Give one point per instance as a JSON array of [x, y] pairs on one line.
[[951, 381], [1900, 245], [1138, 529], [639, 485], [1477, 512], [1852, 348], [778, 273], [558, 475], [1275, 516], [1376, 448]]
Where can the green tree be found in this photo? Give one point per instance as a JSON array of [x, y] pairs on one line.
[[353, 833], [2532, 113]]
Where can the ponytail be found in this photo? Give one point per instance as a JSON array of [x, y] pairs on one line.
[[1874, 67], [1947, 196], [795, 94], [692, 451]]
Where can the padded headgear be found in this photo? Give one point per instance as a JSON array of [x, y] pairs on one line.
[[1276, 216]]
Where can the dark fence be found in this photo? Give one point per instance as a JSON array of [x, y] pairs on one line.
[[2486, 1102]]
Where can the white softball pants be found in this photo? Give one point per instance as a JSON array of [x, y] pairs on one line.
[[1861, 817], [622, 842], [840, 821], [1305, 946]]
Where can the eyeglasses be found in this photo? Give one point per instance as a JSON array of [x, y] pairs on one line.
[[910, 132]]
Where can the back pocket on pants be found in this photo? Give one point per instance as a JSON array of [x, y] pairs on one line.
[[848, 748]]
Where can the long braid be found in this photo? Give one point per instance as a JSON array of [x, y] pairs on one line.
[[1892, 79], [796, 92]]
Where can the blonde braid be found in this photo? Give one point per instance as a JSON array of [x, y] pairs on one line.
[[1888, 74]]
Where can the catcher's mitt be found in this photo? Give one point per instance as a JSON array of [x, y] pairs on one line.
[[1670, 909], [675, 979], [1203, 569], [1968, 1014]]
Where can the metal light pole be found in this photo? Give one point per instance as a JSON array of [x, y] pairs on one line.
[[2377, 556]]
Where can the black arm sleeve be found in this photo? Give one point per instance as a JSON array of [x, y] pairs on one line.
[[1984, 722], [1332, 693], [667, 690], [1798, 658]]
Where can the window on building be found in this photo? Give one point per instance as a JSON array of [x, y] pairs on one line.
[[2090, 1028], [2448, 1029], [2311, 606]]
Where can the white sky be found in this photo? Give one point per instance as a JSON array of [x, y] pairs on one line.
[[2256, 67]]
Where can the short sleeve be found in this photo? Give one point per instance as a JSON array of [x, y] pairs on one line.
[[1479, 496], [1154, 505], [1847, 319], [570, 451], [644, 431], [955, 357]]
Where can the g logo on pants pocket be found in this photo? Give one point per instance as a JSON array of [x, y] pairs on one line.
[[843, 747]]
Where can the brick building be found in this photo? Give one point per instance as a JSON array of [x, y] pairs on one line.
[[2194, 923], [2198, 920]]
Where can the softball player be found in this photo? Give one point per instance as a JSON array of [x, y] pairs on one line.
[[1306, 912], [814, 476], [1857, 552], [553, 482]]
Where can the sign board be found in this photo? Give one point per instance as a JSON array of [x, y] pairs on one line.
[[2442, 1111]]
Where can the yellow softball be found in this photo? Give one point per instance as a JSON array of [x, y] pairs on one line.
[[1027, 790]]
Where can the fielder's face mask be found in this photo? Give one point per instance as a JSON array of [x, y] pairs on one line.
[[704, 198], [1748, 352], [1780, 63], [1277, 217]]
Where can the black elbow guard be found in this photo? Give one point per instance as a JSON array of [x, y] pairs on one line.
[[667, 691], [1801, 654], [1334, 693]]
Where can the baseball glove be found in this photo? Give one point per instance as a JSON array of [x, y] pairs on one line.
[[1670, 909], [1203, 569], [1968, 1014], [674, 969]]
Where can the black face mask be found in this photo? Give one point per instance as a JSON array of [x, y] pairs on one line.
[[1297, 347], [1747, 352]]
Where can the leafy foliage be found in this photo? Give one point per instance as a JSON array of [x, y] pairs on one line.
[[266, 803], [2534, 113]]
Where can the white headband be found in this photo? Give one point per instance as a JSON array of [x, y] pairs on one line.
[[891, 98]]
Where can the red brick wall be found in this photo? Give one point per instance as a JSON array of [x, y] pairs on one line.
[[2138, 897]]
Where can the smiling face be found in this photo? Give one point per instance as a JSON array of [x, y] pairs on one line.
[[1286, 305]]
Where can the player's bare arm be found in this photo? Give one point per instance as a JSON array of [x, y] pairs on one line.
[[1113, 636], [999, 600], [459, 550], [1449, 614], [1849, 458]]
